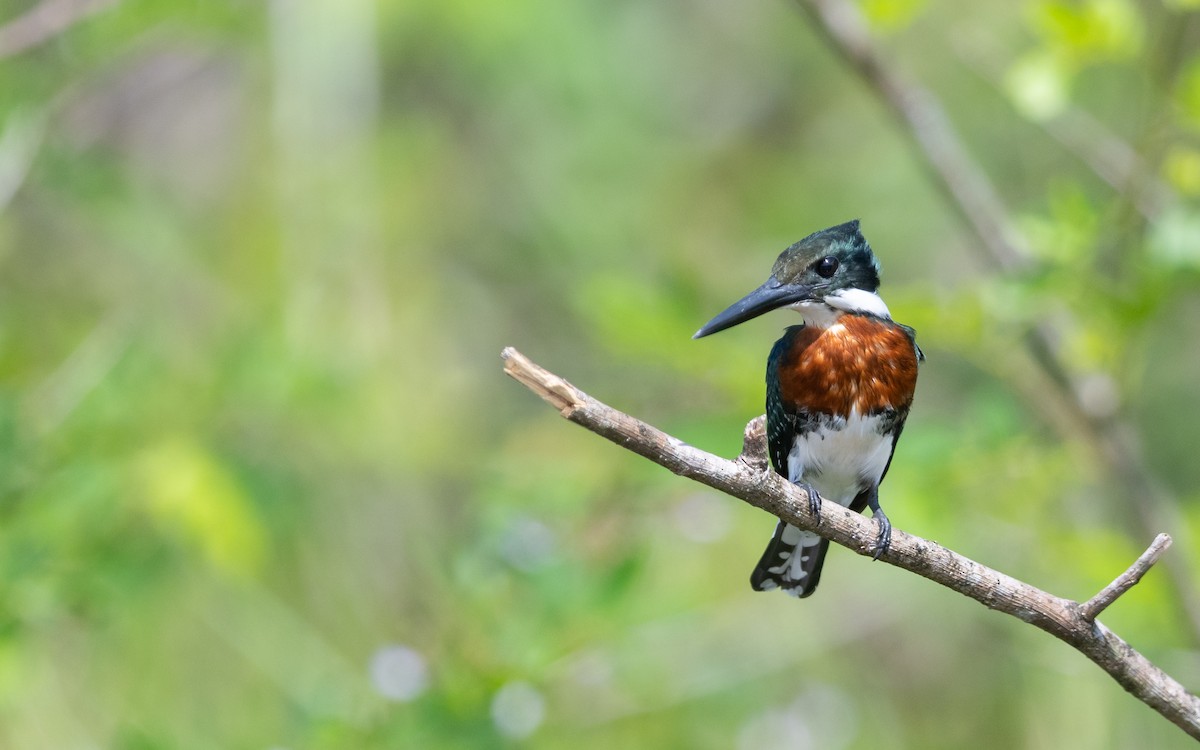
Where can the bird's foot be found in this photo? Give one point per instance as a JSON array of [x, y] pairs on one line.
[[814, 499], [884, 540]]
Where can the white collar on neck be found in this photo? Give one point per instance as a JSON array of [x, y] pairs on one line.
[[859, 301], [823, 314]]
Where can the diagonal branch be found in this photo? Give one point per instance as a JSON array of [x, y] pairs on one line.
[[1105, 153], [43, 22], [964, 184], [748, 480]]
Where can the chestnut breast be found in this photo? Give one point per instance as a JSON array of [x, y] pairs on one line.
[[859, 363]]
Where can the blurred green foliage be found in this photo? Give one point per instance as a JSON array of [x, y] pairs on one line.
[[264, 484]]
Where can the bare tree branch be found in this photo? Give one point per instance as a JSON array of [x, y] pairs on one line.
[[1090, 609], [969, 191], [748, 480], [1110, 158], [43, 22]]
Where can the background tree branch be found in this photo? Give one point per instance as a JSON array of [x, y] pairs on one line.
[[45, 21], [747, 479]]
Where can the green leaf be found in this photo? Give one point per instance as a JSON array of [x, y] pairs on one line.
[[892, 15], [1037, 85], [1088, 32], [1173, 239], [1189, 93], [187, 490], [1181, 168]]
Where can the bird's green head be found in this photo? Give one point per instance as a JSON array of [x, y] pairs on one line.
[[833, 269]]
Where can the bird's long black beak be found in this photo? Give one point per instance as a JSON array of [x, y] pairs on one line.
[[770, 296]]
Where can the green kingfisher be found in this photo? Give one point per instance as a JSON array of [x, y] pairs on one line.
[[839, 388]]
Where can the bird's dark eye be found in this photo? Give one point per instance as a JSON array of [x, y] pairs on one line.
[[827, 266]]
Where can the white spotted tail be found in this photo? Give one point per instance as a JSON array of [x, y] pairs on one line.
[[792, 562]]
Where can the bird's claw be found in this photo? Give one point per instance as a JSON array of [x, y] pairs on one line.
[[814, 500], [884, 540]]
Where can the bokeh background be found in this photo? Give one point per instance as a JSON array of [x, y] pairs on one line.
[[264, 484]]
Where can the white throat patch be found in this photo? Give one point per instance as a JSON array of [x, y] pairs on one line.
[[859, 301], [824, 314]]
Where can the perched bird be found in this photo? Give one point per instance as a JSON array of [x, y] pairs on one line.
[[839, 388]]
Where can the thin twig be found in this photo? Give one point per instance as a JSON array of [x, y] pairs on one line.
[[1127, 580], [747, 480]]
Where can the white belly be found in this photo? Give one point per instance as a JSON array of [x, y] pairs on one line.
[[840, 463]]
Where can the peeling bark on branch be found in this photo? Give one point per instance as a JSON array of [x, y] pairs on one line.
[[748, 479]]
